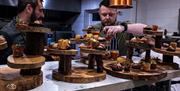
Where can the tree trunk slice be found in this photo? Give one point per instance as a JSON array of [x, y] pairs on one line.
[[80, 75], [11, 80], [165, 52], [25, 62], [62, 52], [137, 74], [144, 46], [150, 32], [36, 29], [93, 51], [78, 41], [3, 45]]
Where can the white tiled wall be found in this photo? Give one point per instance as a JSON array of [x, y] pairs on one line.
[[161, 12]]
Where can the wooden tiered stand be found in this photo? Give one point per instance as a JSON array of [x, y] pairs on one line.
[[67, 73], [25, 72], [140, 74]]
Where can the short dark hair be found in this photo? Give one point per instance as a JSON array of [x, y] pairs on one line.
[[104, 3], [23, 3]]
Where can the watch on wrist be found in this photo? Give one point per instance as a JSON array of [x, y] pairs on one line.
[[125, 26]]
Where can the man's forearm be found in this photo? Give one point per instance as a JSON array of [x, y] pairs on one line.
[[136, 29]]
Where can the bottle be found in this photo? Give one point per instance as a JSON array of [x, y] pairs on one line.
[[49, 39]]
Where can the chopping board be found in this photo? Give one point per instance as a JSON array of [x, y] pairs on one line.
[[137, 74], [11, 80]]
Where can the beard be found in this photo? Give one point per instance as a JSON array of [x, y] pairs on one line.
[[108, 22], [34, 17]]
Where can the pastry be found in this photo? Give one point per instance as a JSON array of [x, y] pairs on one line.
[[116, 67], [63, 44]]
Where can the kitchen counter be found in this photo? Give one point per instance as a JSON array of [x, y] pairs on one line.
[[109, 84]]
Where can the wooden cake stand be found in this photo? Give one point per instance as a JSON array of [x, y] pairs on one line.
[[168, 56], [3, 45], [67, 73], [25, 72]]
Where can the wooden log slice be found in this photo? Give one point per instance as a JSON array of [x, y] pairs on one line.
[[165, 52], [36, 29], [80, 75], [144, 46], [136, 74], [150, 32], [3, 45], [93, 51], [25, 62], [75, 41], [103, 41], [62, 52], [11, 80]]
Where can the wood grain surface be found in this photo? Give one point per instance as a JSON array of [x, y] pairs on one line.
[[80, 75], [137, 74], [25, 62], [11, 80]]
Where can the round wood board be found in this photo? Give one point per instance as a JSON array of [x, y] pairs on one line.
[[150, 32], [75, 41], [11, 80], [165, 52], [136, 74], [36, 29], [25, 62], [63, 52], [140, 45], [3, 45], [93, 51], [80, 75]]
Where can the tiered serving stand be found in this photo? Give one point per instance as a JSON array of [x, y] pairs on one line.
[[67, 73], [25, 72], [158, 73]]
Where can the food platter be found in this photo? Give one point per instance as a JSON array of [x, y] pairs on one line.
[[137, 74]]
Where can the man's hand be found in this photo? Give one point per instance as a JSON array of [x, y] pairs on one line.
[[112, 30], [2, 39]]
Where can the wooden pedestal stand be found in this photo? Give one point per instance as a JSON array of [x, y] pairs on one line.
[[27, 73], [67, 73], [167, 55]]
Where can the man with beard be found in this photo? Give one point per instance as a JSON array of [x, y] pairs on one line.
[[28, 12], [118, 31]]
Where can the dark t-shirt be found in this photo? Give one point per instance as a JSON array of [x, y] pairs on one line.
[[12, 36]]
